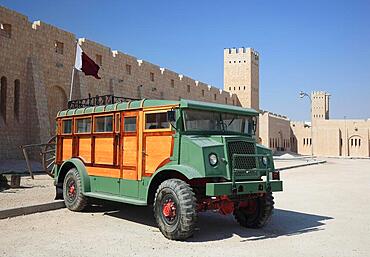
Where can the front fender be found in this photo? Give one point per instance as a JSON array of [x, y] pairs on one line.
[[187, 171], [167, 171], [80, 166]]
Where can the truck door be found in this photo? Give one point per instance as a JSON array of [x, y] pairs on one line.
[[157, 141], [130, 149], [130, 146]]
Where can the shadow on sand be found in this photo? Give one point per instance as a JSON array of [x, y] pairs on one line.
[[213, 226]]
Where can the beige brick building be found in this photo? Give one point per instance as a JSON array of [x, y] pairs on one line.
[[326, 138], [331, 137], [36, 61]]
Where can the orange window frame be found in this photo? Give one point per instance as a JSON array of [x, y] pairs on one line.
[[169, 128], [62, 126], [75, 125], [117, 122], [103, 132]]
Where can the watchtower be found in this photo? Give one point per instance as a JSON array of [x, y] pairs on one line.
[[320, 106], [241, 75]]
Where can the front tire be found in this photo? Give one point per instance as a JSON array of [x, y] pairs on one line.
[[72, 191], [257, 213], [175, 209]]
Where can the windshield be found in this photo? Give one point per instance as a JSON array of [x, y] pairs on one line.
[[196, 120]]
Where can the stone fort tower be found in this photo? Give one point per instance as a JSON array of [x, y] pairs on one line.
[[320, 106], [241, 75]]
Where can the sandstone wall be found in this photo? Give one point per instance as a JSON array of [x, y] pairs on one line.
[[41, 57]]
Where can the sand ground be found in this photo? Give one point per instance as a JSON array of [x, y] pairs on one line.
[[323, 211]]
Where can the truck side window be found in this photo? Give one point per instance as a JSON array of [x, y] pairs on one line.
[[67, 126], [130, 124], [104, 124], [156, 120], [83, 125]]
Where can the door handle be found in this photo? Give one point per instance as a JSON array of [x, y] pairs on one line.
[[144, 153]]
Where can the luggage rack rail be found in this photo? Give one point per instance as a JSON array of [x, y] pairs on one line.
[[98, 100]]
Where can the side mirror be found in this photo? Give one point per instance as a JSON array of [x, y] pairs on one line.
[[171, 116]]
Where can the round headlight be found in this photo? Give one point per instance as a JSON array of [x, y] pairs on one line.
[[264, 160], [213, 159]]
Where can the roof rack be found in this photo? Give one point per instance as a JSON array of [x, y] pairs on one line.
[[98, 100]]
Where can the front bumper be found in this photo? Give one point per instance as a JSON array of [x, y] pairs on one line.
[[243, 187]]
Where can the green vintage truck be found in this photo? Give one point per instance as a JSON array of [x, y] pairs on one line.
[[183, 157]]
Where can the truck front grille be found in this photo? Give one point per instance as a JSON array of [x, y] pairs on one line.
[[242, 147]]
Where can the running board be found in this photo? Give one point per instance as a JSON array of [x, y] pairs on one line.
[[121, 199]]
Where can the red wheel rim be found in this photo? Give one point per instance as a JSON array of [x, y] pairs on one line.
[[71, 190], [169, 210]]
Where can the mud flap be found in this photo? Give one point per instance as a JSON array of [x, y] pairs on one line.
[[58, 192]]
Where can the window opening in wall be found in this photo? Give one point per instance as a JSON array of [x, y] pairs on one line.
[[16, 98], [310, 141], [352, 142], [225, 100], [215, 96], [188, 86], [59, 47], [172, 83], [229, 88], [244, 87], [359, 142], [99, 60], [128, 69], [151, 76], [6, 30], [202, 92], [3, 89], [355, 141]]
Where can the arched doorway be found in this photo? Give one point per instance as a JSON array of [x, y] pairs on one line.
[[57, 101], [355, 143]]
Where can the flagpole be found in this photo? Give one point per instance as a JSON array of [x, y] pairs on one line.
[[70, 92], [73, 72]]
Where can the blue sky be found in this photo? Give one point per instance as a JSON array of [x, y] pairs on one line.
[[303, 45]]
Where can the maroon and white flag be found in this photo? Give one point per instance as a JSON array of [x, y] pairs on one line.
[[85, 64]]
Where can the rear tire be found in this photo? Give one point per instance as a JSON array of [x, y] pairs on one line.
[[72, 191], [256, 217], [175, 209]]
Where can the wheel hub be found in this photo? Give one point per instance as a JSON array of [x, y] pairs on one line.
[[169, 210], [71, 190]]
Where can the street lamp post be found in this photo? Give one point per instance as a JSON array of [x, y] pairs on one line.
[[302, 95]]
